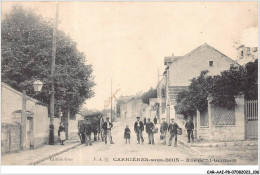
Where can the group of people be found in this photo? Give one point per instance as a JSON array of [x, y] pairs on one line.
[[139, 128], [151, 129], [86, 128], [104, 129], [173, 130]]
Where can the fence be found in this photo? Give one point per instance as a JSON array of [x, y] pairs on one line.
[[251, 110], [251, 113], [224, 124], [223, 116]]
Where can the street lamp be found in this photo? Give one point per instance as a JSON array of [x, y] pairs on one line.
[[37, 85]]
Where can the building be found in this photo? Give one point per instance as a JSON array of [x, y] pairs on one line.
[[181, 69], [161, 97], [37, 121], [120, 107], [151, 110], [132, 107], [246, 54], [153, 103]]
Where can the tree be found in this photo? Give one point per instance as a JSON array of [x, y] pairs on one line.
[[227, 85], [223, 88], [198, 91], [251, 80], [152, 93], [184, 104], [26, 56]]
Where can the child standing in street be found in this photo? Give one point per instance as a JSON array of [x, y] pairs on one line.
[[127, 134]]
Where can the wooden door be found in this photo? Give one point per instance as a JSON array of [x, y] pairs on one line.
[[29, 133]]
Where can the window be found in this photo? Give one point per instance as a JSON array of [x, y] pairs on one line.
[[242, 53], [210, 63]]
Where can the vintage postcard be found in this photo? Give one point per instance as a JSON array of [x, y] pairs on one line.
[[129, 83]]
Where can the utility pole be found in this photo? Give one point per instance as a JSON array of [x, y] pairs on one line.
[[23, 121], [53, 57], [111, 103]]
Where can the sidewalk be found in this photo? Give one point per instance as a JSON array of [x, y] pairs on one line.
[[184, 138], [33, 157]]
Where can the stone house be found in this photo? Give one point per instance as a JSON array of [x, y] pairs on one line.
[[37, 125], [181, 69]]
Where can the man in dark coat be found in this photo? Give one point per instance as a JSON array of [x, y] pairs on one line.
[[149, 131], [139, 127], [144, 121], [107, 126], [88, 130], [190, 127], [82, 132], [95, 129], [173, 132], [163, 130], [155, 120]]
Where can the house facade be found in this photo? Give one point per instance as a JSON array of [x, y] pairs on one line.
[[246, 54], [37, 121], [161, 97], [181, 69], [131, 108]]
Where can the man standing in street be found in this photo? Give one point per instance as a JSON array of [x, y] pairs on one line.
[[163, 130], [190, 127], [88, 130], [107, 126], [155, 120], [139, 127], [149, 130], [144, 121], [173, 132], [82, 132]]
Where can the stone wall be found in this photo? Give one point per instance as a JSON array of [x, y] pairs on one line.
[[10, 137], [224, 132]]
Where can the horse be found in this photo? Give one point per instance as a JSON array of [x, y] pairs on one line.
[[96, 127]]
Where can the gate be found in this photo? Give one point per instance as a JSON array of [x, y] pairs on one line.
[[251, 114]]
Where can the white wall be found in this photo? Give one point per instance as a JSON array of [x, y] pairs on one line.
[[190, 66], [73, 127], [12, 101]]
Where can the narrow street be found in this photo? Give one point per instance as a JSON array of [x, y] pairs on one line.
[[117, 154]]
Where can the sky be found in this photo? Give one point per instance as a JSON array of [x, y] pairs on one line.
[[126, 42]]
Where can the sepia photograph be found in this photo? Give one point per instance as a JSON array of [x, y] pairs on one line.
[[127, 83]]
